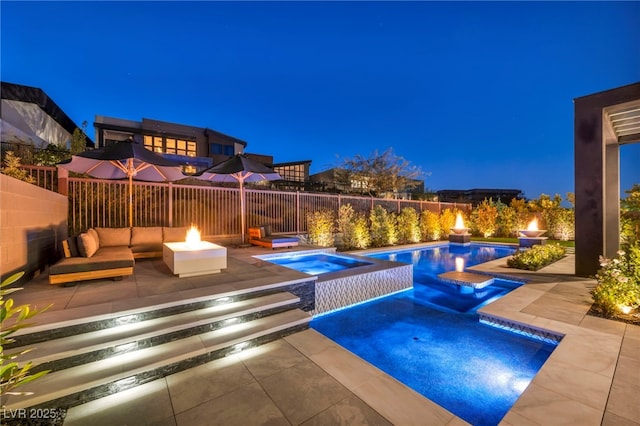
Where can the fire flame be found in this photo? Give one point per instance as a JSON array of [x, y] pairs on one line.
[[459, 222], [533, 225], [193, 237]]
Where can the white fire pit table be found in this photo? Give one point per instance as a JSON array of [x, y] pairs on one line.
[[198, 259]]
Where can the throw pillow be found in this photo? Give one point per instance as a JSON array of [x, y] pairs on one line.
[[73, 246], [96, 238], [86, 245]]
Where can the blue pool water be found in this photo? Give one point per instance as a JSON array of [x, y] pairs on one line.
[[430, 339], [318, 263]]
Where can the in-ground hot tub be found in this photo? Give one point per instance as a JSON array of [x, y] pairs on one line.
[[319, 263], [343, 279]]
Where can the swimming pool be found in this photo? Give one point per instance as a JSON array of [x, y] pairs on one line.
[[318, 263], [434, 343]]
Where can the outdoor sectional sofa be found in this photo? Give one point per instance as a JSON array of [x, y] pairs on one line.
[[110, 252], [261, 236]]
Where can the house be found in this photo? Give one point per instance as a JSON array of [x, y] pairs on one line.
[[338, 180], [28, 116], [197, 148]]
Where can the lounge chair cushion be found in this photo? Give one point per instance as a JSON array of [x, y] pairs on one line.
[[113, 237], [106, 258]]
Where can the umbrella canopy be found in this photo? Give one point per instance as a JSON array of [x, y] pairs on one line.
[[241, 169], [126, 159]]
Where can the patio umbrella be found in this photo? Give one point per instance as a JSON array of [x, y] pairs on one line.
[[242, 169], [126, 159]]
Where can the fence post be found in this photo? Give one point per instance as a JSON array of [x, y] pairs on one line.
[[63, 181], [170, 195], [297, 212]]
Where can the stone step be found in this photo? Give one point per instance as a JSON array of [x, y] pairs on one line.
[[79, 349], [82, 383]]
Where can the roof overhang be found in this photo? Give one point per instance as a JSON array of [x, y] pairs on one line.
[[624, 121]]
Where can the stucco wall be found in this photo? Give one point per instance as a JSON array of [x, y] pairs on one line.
[[33, 221]]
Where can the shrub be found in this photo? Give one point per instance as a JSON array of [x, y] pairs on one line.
[[486, 219], [447, 221], [13, 374], [383, 227], [564, 224], [408, 226], [321, 226], [507, 220], [354, 229], [522, 215], [11, 167], [618, 282], [430, 226], [536, 257]]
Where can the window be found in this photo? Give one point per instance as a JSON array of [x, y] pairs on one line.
[[170, 145], [220, 149], [291, 173], [215, 148]]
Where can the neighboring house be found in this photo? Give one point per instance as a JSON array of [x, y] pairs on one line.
[[29, 117], [295, 174], [196, 147], [334, 180], [478, 195]]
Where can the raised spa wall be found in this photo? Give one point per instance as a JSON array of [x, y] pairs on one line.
[[338, 290]]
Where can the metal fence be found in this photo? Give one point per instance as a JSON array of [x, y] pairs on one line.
[[214, 210]]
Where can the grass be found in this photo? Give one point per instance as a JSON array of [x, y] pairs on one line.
[[505, 240]]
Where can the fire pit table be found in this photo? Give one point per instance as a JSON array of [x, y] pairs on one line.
[[190, 260]]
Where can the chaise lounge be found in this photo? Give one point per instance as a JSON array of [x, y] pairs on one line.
[[261, 236]]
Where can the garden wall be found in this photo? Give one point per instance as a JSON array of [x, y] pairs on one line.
[[33, 221]]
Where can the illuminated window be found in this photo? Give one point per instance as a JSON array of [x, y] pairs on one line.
[[170, 145], [291, 173]]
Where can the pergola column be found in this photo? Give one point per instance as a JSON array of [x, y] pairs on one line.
[[601, 123]]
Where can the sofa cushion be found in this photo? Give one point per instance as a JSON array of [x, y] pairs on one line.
[[145, 239], [87, 246], [172, 235], [105, 258], [113, 237]]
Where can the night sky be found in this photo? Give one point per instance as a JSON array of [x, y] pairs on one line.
[[478, 95]]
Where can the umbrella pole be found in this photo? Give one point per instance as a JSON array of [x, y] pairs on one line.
[[130, 200], [242, 211]]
